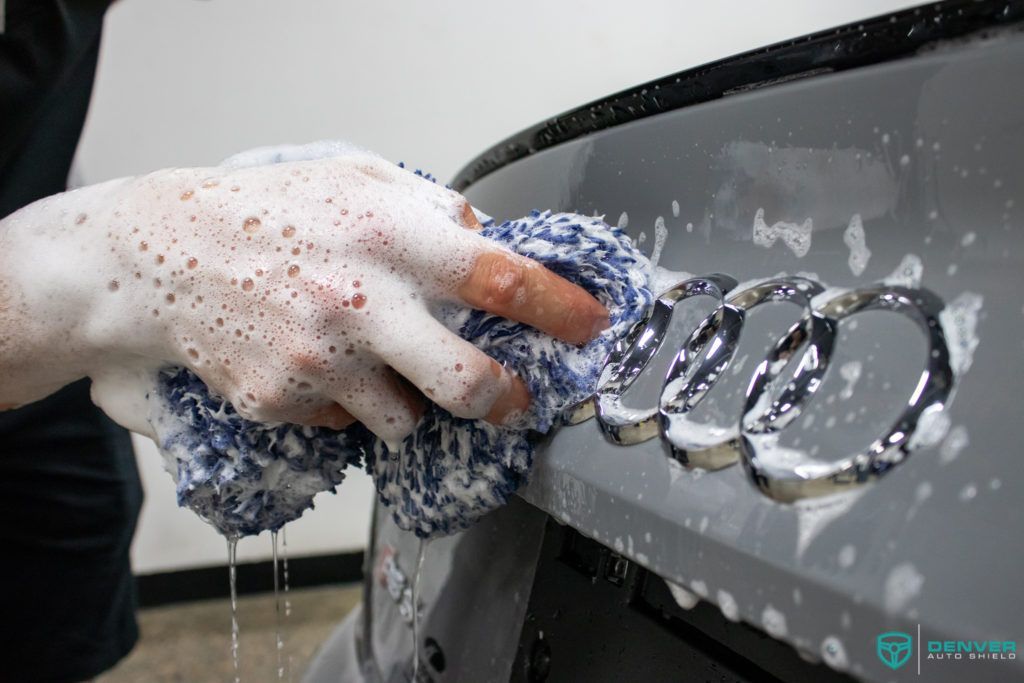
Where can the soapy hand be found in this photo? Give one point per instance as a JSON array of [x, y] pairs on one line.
[[300, 291]]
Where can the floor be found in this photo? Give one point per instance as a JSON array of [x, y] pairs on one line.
[[191, 642]]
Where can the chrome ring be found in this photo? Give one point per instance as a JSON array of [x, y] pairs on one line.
[[629, 358], [760, 426], [710, 350]]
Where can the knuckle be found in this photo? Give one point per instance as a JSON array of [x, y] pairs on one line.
[[501, 281], [578, 314], [376, 169], [471, 390], [306, 362]]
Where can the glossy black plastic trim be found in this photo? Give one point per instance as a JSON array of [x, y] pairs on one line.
[[881, 39]]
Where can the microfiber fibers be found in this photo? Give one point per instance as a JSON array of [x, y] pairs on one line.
[[244, 477]]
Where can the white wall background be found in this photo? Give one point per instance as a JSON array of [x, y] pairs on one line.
[[432, 83]]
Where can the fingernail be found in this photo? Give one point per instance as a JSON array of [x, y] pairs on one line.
[[600, 325], [515, 401]]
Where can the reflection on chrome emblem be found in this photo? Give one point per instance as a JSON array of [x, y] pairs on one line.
[[770, 404]]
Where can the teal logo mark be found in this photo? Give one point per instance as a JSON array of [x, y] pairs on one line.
[[894, 648]]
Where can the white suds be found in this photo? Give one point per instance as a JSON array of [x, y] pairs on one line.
[[902, 585], [908, 273], [683, 597], [796, 236], [954, 443], [932, 427], [960, 324], [855, 241], [834, 654], [774, 622], [727, 603], [850, 372], [660, 235]]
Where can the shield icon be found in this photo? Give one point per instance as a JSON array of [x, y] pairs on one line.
[[894, 648]]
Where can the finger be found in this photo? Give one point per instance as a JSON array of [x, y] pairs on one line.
[[453, 373], [517, 288], [311, 413], [379, 399], [469, 219], [331, 415]]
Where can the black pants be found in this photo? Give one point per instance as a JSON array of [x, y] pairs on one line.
[[69, 489]]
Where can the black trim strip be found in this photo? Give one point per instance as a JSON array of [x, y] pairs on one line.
[[207, 583], [880, 39]]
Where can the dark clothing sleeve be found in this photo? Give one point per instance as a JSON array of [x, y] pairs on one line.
[[69, 490]]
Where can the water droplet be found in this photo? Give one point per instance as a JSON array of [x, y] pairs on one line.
[[251, 224], [293, 270], [288, 231], [248, 284], [358, 301], [192, 262]]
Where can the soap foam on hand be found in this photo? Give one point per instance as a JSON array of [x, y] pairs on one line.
[[244, 476]]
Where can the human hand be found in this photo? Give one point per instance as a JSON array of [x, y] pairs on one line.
[[301, 292]]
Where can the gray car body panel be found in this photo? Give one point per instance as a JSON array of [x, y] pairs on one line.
[[928, 153]]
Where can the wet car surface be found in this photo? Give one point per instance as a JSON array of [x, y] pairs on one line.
[[630, 561]]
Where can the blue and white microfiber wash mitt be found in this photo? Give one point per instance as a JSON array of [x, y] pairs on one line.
[[244, 477]]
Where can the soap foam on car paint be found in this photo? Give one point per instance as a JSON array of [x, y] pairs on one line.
[[796, 236]]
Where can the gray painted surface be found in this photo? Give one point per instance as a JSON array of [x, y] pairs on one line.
[[473, 592], [927, 152]]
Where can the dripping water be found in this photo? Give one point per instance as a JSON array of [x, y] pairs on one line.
[[420, 554], [232, 557], [277, 610], [287, 598]]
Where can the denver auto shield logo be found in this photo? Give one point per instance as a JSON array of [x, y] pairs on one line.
[[894, 648]]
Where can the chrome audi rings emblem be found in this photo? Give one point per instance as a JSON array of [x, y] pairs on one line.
[[772, 400]]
